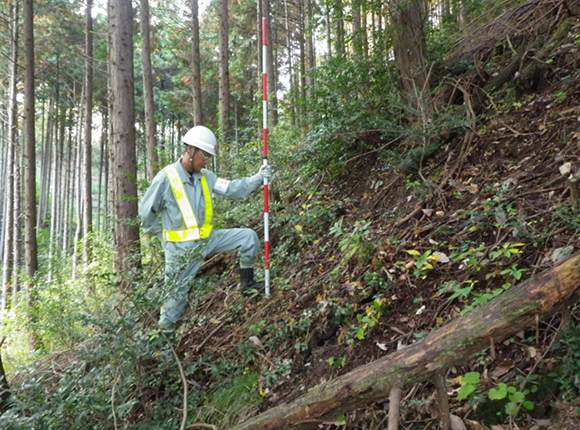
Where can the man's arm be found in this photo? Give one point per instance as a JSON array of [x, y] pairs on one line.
[[239, 188], [152, 204]]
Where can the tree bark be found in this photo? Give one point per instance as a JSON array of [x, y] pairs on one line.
[[224, 72], [11, 165], [30, 243], [339, 22], [449, 346], [87, 153], [30, 144], [150, 125], [409, 47], [122, 143], [328, 30], [302, 57], [310, 55], [17, 241], [196, 65], [356, 24], [292, 106]]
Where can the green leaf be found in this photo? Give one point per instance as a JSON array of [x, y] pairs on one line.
[[465, 391], [498, 393], [517, 397], [529, 405], [511, 408], [360, 334], [413, 252], [472, 378], [298, 227]]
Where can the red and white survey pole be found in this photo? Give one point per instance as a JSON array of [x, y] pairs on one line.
[[265, 126]]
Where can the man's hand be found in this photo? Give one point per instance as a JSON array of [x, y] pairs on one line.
[[265, 171]]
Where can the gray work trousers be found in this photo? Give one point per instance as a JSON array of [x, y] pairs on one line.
[[183, 260]]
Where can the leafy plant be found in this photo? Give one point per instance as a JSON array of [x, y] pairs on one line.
[[336, 363], [356, 242], [369, 319], [468, 385], [568, 347], [516, 398], [514, 271], [507, 250]]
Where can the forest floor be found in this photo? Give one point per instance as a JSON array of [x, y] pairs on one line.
[[503, 185]]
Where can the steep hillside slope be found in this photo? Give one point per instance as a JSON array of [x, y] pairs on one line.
[[377, 260]]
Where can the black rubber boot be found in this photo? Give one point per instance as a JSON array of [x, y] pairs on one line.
[[247, 281]]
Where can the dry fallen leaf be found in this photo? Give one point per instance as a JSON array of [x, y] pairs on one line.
[[565, 168], [457, 423], [474, 425], [503, 368], [256, 341]]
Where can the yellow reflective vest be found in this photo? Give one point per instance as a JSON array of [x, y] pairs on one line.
[[191, 230]]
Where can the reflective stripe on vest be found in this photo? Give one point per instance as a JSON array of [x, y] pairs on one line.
[[191, 231]]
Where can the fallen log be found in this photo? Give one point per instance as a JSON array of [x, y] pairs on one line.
[[451, 345]]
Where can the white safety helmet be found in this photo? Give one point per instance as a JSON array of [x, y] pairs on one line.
[[201, 137]]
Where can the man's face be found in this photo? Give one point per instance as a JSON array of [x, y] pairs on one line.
[[200, 158]]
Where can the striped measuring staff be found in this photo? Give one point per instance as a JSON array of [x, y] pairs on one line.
[[265, 161]]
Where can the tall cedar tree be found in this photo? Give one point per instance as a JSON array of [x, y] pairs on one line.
[[87, 161], [196, 64], [122, 125], [150, 125]]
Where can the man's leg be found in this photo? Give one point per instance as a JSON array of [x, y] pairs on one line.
[[245, 240], [180, 268]]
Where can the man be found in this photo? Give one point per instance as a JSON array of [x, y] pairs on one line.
[[178, 210]]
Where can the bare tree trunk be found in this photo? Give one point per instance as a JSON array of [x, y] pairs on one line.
[[31, 249], [47, 174], [463, 13], [77, 200], [448, 346], [328, 29], [310, 56], [56, 185], [339, 21], [45, 166], [445, 11], [30, 144], [364, 29], [293, 109], [150, 125], [122, 124], [224, 72], [196, 67], [102, 161], [17, 241], [7, 269], [302, 54], [69, 190], [410, 51], [88, 146], [356, 23]]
